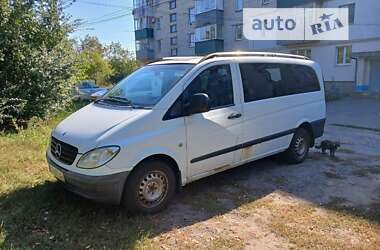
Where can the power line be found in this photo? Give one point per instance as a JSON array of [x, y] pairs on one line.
[[102, 4], [107, 19]]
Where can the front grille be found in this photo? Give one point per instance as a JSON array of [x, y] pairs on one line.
[[63, 152]]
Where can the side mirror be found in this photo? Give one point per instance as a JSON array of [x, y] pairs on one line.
[[199, 103]]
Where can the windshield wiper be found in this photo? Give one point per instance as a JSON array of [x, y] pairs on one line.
[[118, 99]]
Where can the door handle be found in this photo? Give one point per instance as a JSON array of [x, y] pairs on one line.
[[234, 116]]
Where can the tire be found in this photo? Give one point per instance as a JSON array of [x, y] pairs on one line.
[[299, 147], [150, 187]]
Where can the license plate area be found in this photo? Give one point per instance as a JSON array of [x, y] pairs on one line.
[[57, 173]]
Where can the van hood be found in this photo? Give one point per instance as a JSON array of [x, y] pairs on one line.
[[84, 128]]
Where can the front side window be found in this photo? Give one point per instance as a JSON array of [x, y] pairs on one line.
[[268, 80], [216, 82], [343, 55], [147, 85]]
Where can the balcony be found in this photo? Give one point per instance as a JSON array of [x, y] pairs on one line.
[[142, 11], [145, 33], [210, 17], [145, 54], [209, 46]]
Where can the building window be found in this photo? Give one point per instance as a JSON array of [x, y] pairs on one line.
[[137, 24], [301, 52], [191, 40], [207, 5], [173, 28], [174, 52], [159, 46], [192, 15], [238, 5], [138, 45], [351, 12], [172, 4], [158, 23], [173, 40], [343, 55], [239, 32], [173, 17], [265, 2], [208, 32]]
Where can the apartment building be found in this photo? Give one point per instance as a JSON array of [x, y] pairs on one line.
[[198, 27]]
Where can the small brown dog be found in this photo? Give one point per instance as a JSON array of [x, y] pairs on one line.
[[329, 145]]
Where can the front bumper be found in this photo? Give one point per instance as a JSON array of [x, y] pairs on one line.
[[105, 189]]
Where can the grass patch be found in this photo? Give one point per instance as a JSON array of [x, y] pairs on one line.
[[36, 212], [356, 127], [308, 226]]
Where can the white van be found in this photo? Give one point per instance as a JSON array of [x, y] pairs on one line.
[[181, 119]]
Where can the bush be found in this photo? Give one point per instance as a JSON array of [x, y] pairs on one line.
[[37, 60]]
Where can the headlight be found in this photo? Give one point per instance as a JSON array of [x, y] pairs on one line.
[[98, 157]]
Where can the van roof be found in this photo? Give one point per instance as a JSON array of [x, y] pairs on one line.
[[198, 59]]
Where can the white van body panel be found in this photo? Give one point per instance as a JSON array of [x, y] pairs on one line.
[[197, 142]]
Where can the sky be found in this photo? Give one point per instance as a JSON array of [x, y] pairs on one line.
[[109, 20]]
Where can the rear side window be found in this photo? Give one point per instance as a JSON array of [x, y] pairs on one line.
[[268, 80], [303, 79]]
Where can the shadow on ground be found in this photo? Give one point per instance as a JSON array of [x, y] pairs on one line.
[[47, 216]]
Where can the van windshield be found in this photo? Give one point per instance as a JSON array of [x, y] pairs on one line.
[[147, 86]]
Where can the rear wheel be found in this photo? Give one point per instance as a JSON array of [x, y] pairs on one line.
[[149, 188], [299, 147]]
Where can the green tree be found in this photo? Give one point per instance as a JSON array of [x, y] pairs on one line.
[[91, 43], [121, 61], [94, 67], [37, 60]]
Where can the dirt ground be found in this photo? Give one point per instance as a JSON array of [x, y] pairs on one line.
[[323, 203]]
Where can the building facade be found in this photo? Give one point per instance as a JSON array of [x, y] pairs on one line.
[[198, 27]]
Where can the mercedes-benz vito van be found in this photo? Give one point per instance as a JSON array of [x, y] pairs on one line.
[[181, 119]]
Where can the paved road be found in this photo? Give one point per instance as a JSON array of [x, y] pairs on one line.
[[351, 179], [358, 111]]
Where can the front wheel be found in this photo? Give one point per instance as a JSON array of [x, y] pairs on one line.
[[149, 188], [299, 147]]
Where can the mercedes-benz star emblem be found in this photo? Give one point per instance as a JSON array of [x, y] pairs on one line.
[[58, 150]]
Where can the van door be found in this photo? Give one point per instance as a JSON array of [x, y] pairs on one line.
[[212, 137], [276, 98]]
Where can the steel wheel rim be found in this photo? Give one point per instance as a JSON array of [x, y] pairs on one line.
[[300, 146], [153, 188]]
